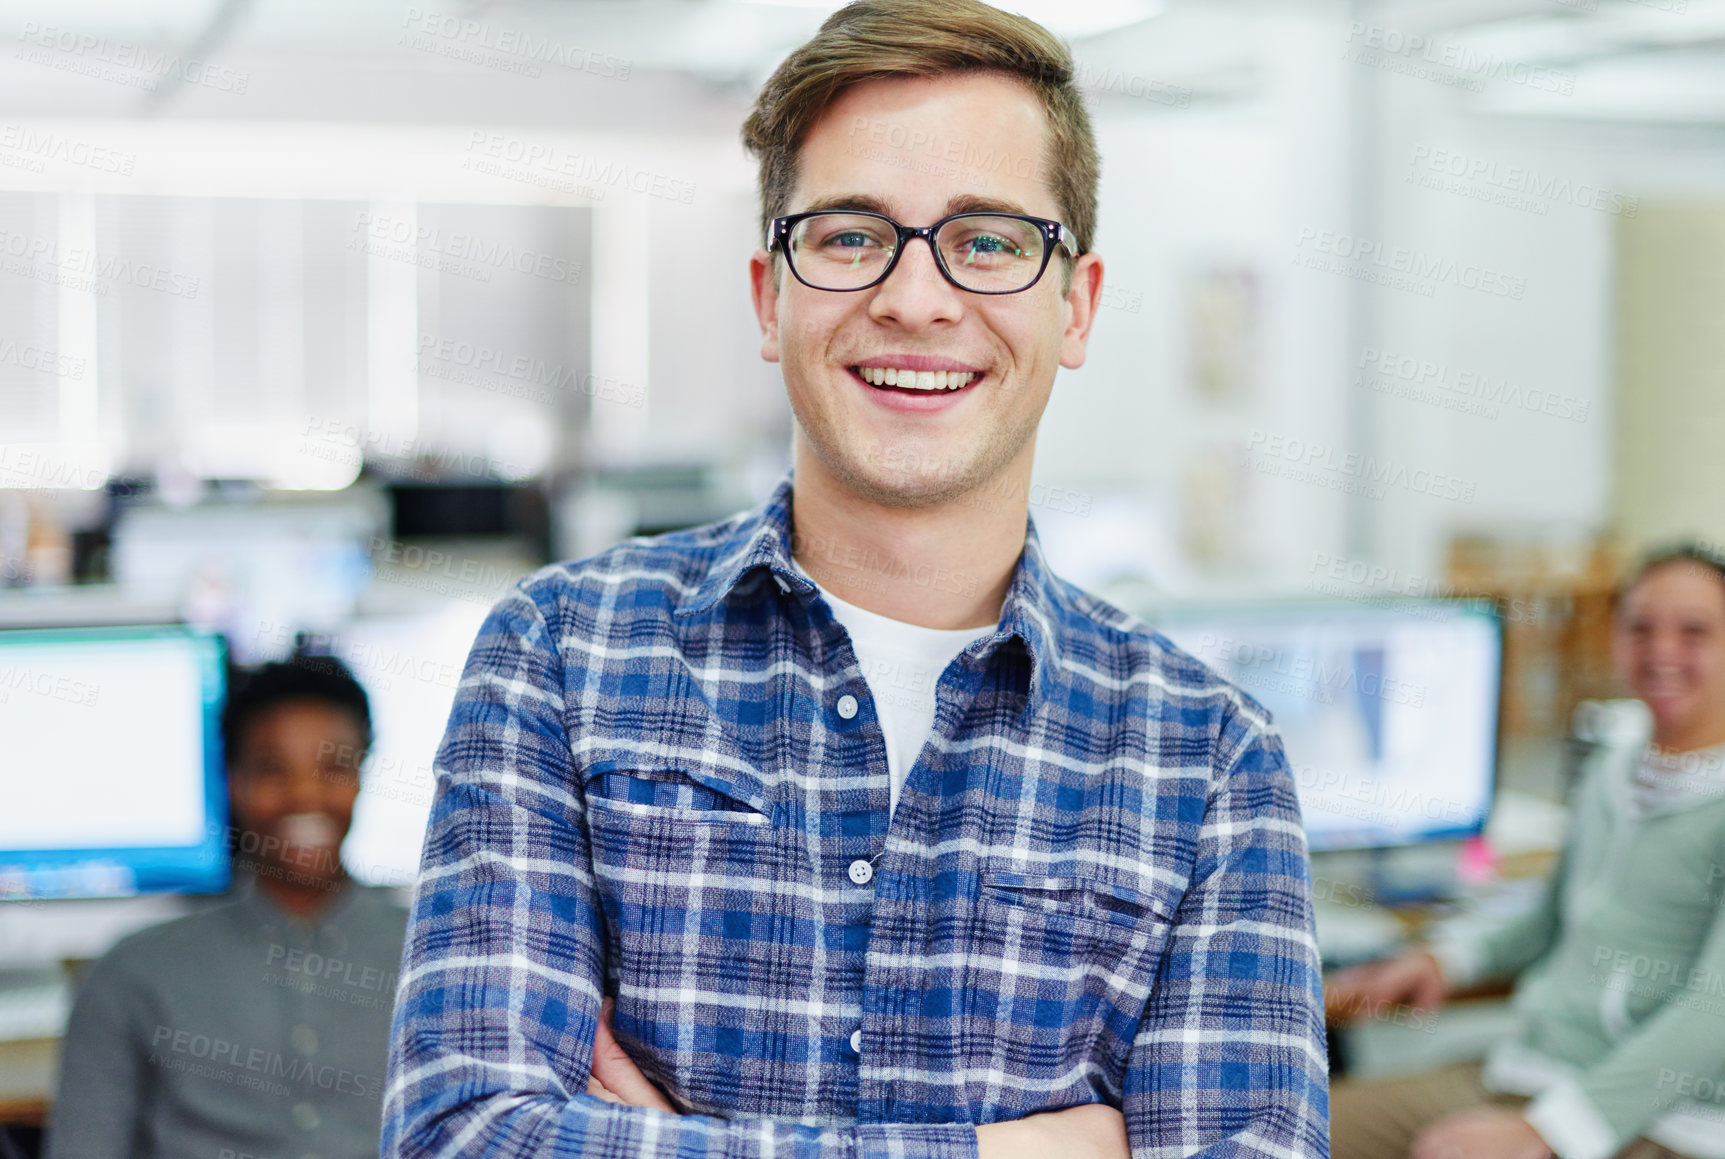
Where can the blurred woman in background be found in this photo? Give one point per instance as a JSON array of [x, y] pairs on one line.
[[1621, 965]]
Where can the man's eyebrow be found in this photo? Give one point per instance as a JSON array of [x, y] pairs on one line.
[[861, 202], [971, 203], [963, 203]]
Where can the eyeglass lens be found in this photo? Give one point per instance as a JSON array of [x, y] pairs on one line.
[[846, 251]]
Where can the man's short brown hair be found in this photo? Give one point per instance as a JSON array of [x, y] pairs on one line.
[[877, 39]]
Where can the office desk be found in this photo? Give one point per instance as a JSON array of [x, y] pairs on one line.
[[1471, 1020], [27, 1070]]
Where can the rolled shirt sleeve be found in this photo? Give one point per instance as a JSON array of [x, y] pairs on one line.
[[1230, 1057]]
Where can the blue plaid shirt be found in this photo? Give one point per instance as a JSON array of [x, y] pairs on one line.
[[664, 779]]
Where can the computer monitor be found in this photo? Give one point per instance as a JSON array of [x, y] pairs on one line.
[[409, 666], [1388, 712], [111, 762]]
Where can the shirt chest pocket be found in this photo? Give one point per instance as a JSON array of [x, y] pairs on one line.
[[709, 925], [680, 836], [1061, 969]]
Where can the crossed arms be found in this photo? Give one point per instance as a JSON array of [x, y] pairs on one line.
[[1211, 994]]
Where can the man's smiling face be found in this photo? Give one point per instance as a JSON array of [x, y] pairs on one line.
[[907, 447]]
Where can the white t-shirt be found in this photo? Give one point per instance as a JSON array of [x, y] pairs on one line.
[[902, 664]]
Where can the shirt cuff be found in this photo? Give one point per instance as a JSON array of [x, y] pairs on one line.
[[916, 1140], [1570, 1124]]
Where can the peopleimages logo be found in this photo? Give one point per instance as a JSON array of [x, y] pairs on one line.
[[1398, 267], [1513, 186], [965, 155], [56, 686], [1377, 585], [1449, 63], [121, 61], [42, 359], [507, 49], [38, 147], [82, 268], [549, 166], [1472, 391], [1112, 80], [1324, 464], [339, 441], [235, 1062], [33, 467], [451, 251], [1386, 802], [474, 364], [1303, 675]]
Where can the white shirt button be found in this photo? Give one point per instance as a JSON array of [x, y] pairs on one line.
[[847, 706], [780, 580], [856, 1041], [861, 872]]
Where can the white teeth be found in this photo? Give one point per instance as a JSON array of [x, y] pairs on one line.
[[916, 379]]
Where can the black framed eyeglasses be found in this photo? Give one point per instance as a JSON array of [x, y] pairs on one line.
[[983, 253]]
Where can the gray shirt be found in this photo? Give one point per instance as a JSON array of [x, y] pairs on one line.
[[236, 1032]]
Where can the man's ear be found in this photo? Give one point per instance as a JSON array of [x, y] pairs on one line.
[[1080, 306], [764, 293]]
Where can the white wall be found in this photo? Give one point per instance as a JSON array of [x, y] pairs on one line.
[[1245, 179], [1227, 181]]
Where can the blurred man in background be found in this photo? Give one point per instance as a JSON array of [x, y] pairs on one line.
[[1622, 963], [258, 1026]]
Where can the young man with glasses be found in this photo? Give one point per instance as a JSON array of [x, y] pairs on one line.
[[882, 839]]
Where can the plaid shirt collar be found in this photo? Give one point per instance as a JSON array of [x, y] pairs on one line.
[[762, 539]]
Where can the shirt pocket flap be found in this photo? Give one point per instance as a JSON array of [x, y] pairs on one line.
[[1089, 897], [687, 786]]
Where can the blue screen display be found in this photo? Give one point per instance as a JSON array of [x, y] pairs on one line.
[[1388, 713], [112, 768]]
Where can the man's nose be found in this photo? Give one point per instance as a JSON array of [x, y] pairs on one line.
[[916, 293]]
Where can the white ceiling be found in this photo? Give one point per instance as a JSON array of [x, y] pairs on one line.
[[693, 65]]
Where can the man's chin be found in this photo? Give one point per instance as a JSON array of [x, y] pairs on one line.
[[913, 488]]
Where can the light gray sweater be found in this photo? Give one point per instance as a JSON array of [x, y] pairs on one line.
[[1621, 991]]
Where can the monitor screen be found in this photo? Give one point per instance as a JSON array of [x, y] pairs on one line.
[[409, 666], [1388, 713], [111, 768]]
